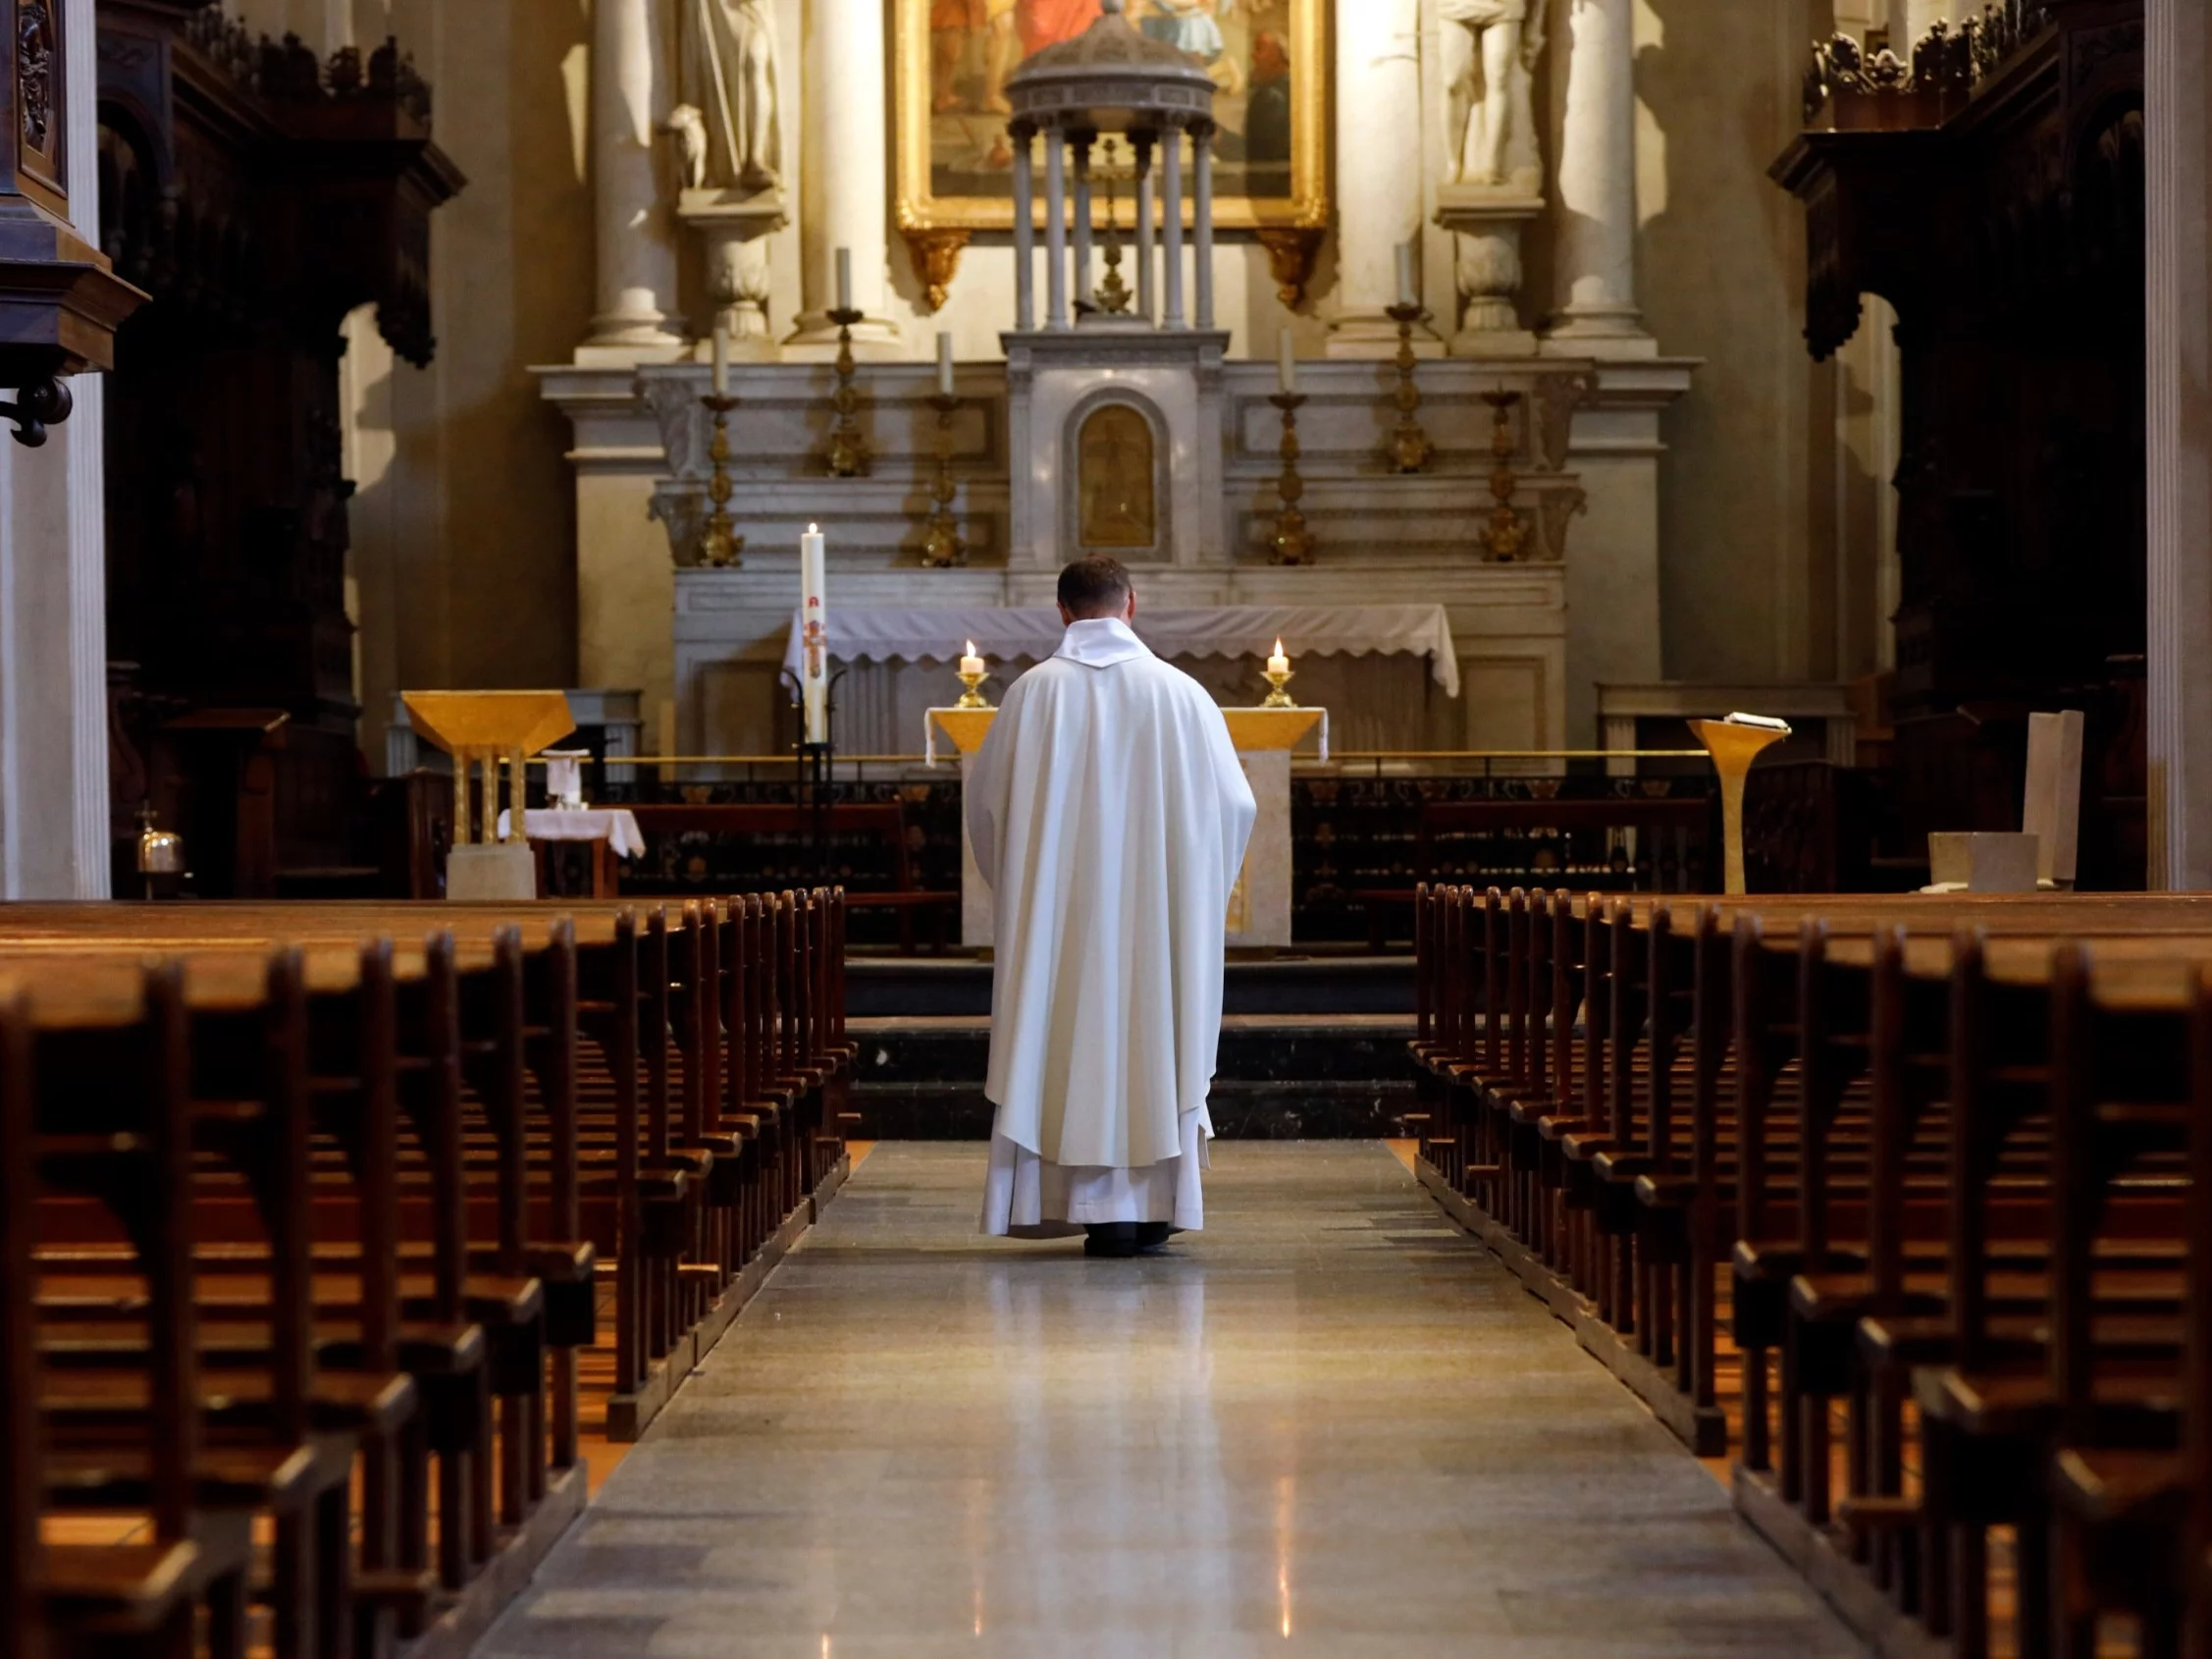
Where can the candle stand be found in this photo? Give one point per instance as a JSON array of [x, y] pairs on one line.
[[1506, 530], [972, 697], [1277, 695], [1290, 544], [719, 544], [1409, 445], [848, 449], [815, 780], [943, 548]]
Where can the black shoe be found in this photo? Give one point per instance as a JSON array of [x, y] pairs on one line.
[[1110, 1238], [1151, 1235]]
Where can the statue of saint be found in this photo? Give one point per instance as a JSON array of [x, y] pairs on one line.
[[727, 74], [1489, 47]]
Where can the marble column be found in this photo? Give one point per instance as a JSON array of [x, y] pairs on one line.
[[1202, 219], [1025, 229], [54, 826], [1171, 214], [1595, 245], [1055, 229], [2178, 199], [631, 83], [845, 177], [1147, 254], [1078, 146], [1379, 176]]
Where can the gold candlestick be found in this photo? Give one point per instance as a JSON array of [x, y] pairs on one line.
[[943, 547], [1506, 530], [1277, 679], [719, 544], [973, 696], [848, 449], [1409, 445], [1290, 545]]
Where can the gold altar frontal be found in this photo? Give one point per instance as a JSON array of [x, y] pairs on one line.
[[1259, 905]]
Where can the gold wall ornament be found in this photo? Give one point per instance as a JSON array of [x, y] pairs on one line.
[[951, 159], [936, 256], [942, 547], [1290, 544], [1409, 445], [719, 544], [848, 449], [1290, 251], [1506, 531]]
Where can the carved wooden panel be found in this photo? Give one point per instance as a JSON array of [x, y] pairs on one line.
[[39, 121]]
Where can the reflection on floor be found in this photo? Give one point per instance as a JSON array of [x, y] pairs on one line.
[[1329, 1424]]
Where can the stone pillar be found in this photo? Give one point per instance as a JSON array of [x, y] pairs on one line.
[[1202, 218], [845, 177], [1079, 144], [631, 79], [1025, 230], [1171, 213], [1378, 176], [1595, 248], [1055, 228], [2178, 200], [1146, 235], [54, 828]]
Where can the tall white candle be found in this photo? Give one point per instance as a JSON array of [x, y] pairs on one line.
[[844, 278], [721, 358], [1285, 363], [1407, 295], [944, 364], [814, 660]]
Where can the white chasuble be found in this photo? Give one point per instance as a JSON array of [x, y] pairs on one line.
[[1109, 814]]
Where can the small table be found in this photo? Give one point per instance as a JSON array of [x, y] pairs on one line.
[[610, 832]]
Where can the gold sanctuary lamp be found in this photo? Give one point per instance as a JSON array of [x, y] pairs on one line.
[[1734, 743], [1409, 445], [848, 449], [480, 730]]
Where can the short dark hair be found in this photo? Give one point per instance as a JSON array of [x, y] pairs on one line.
[[1098, 586]]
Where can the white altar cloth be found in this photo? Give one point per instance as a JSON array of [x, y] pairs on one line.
[[617, 826], [882, 634]]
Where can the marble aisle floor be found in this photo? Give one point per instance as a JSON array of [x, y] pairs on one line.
[[1330, 1424]]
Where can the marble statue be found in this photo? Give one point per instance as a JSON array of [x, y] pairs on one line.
[[1489, 49], [727, 83]]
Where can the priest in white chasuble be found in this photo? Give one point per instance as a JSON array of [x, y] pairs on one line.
[[1109, 814]]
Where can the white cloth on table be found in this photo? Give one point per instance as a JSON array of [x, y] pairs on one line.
[[1109, 813], [1027, 1196], [908, 633], [617, 826]]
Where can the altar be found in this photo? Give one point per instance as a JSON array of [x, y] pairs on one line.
[[1259, 904]]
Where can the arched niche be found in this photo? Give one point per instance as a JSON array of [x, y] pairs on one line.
[[1116, 450]]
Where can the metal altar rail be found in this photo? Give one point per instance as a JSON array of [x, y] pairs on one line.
[[1379, 763]]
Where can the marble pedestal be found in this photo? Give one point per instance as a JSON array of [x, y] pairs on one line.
[[735, 227], [1486, 231], [1259, 905]]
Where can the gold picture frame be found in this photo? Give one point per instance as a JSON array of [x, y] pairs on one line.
[[952, 170]]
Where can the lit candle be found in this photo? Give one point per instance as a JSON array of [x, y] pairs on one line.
[[813, 661], [944, 364], [1405, 294], [971, 664], [844, 278], [1285, 363], [721, 358], [1279, 663]]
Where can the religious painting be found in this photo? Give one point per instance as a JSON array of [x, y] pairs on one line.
[[1115, 481], [952, 59]]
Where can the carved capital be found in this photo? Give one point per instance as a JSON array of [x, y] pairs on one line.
[[935, 254]]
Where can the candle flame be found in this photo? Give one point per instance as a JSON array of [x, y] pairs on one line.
[[1278, 645], [814, 529], [970, 648]]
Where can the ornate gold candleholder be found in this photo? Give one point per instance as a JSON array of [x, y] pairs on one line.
[[943, 547], [1290, 545], [1506, 530], [848, 449], [1277, 679], [1409, 445], [973, 696], [719, 544]]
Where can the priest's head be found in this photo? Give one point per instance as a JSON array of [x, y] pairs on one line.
[[1094, 587]]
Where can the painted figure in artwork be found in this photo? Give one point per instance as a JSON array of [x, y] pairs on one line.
[[1114, 480]]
